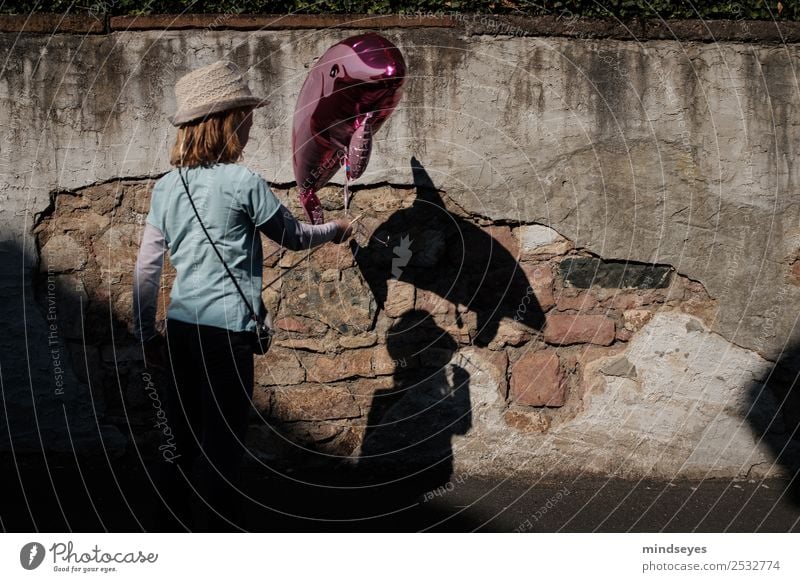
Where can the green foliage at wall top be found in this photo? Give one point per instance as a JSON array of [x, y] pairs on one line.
[[625, 9]]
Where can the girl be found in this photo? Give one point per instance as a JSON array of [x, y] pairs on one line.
[[209, 326]]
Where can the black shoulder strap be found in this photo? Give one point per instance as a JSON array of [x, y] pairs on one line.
[[216, 250]]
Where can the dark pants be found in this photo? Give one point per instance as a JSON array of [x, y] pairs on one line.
[[207, 407]]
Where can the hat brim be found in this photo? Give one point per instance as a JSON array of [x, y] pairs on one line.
[[182, 117]]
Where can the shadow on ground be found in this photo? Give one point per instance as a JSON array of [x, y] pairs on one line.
[[93, 496], [774, 414]]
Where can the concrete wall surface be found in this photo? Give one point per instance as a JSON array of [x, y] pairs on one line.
[[598, 244]]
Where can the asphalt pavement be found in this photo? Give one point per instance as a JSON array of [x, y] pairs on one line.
[[65, 495]]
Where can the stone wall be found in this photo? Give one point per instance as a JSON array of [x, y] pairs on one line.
[[577, 255]]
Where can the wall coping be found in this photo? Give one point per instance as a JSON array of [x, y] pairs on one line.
[[53, 23], [472, 24]]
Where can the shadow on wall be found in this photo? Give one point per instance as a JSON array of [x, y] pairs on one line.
[[472, 283], [56, 336], [411, 425], [406, 451], [471, 280], [457, 261], [58, 436], [87, 238], [774, 414]]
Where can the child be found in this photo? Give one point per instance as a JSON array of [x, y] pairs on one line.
[[209, 327]]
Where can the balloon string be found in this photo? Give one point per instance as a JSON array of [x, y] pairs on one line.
[[347, 178], [285, 270], [346, 184]]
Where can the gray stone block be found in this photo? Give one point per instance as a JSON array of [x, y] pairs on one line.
[[587, 272]]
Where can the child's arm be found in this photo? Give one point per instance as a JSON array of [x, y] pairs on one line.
[[288, 232], [146, 282]]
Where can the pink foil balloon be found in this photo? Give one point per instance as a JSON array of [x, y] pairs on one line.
[[348, 94]]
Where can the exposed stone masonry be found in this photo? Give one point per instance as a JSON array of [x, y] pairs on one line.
[[318, 384]]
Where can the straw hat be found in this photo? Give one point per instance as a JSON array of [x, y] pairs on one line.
[[211, 89]]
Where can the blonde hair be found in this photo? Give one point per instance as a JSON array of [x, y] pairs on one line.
[[211, 139]]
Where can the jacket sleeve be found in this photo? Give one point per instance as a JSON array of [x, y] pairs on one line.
[[287, 231], [146, 282]]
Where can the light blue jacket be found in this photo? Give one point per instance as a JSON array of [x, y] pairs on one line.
[[232, 202]]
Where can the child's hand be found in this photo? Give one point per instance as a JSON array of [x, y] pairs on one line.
[[345, 230]]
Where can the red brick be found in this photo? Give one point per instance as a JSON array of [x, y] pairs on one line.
[[279, 367], [504, 236], [536, 380], [433, 303], [399, 298], [350, 364], [631, 299], [461, 326], [310, 402], [362, 340], [695, 287], [328, 256], [292, 324], [569, 300], [624, 335], [793, 276], [565, 329], [540, 278], [510, 333]]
